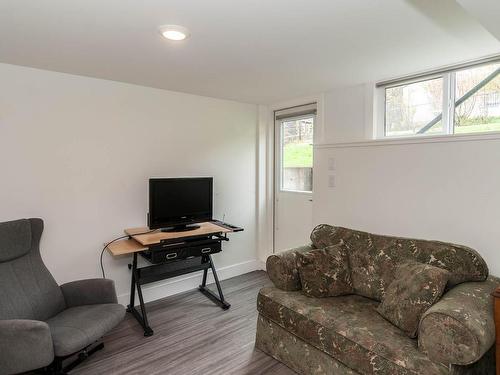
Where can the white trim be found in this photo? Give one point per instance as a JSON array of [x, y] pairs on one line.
[[319, 136], [297, 111], [445, 81], [452, 80], [415, 140], [295, 118], [448, 107], [305, 192], [319, 126], [270, 183], [448, 100], [378, 125], [411, 81], [182, 284], [441, 70], [278, 129], [265, 203]]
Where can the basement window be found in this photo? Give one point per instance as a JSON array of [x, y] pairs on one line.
[[464, 100]]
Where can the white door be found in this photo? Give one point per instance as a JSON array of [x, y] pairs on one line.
[[293, 180]]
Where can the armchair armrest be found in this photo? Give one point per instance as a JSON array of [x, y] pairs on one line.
[[460, 328], [24, 345], [282, 268], [89, 292]]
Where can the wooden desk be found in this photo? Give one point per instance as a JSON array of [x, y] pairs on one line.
[[192, 252], [141, 242]]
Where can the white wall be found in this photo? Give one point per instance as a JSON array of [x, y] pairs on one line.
[[348, 114], [448, 191], [78, 152]]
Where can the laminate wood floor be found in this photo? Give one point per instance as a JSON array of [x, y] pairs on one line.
[[192, 336]]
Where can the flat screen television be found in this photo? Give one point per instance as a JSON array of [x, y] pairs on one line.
[[176, 204]]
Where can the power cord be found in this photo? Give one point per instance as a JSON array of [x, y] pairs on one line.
[[116, 239]]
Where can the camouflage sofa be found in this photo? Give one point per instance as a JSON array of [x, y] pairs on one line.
[[345, 334]]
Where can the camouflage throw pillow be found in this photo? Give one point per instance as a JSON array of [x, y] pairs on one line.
[[415, 288], [325, 272]]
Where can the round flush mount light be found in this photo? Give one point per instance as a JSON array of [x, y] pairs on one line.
[[174, 32]]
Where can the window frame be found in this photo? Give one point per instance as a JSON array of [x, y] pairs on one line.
[[448, 114], [279, 161]]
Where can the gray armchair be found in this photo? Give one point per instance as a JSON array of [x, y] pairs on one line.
[[41, 323]]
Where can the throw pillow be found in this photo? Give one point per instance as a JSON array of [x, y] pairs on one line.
[[325, 272], [323, 235], [415, 288]]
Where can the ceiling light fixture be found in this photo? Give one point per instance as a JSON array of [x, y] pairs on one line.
[[174, 32]]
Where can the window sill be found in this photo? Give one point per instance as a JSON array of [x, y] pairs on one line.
[[415, 140]]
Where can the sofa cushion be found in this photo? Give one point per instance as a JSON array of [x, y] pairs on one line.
[[416, 287], [297, 354], [349, 329], [323, 236], [325, 272], [373, 259], [77, 327], [282, 268]]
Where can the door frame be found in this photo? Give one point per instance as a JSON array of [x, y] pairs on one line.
[[267, 142], [278, 171]]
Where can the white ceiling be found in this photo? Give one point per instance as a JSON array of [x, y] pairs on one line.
[[258, 51], [485, 11]]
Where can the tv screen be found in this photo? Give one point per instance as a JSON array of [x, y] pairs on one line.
[[177, 202]]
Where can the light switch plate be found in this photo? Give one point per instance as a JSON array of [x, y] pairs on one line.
[[331, 181], [331, 164]]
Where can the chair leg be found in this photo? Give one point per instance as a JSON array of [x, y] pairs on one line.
[[83, 355], [56, 367]]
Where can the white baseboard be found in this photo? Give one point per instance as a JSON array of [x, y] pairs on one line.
[[181, 284]]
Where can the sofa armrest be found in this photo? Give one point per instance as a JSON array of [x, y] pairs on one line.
[[282, 268], [89, 292], [24, 345], [460, 327]]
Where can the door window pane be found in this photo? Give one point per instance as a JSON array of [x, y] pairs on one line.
[[297, 154], [414, 108], [480, 111]]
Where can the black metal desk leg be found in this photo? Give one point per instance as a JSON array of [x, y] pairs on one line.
[[147, 329], [205, 271], [143, 317], [219, 300], [219, 289], [133, 267]]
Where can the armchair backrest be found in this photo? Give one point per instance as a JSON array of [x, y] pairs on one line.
[[27, 289]]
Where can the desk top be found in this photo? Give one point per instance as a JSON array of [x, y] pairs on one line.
[[157, 236], [140, 242]]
